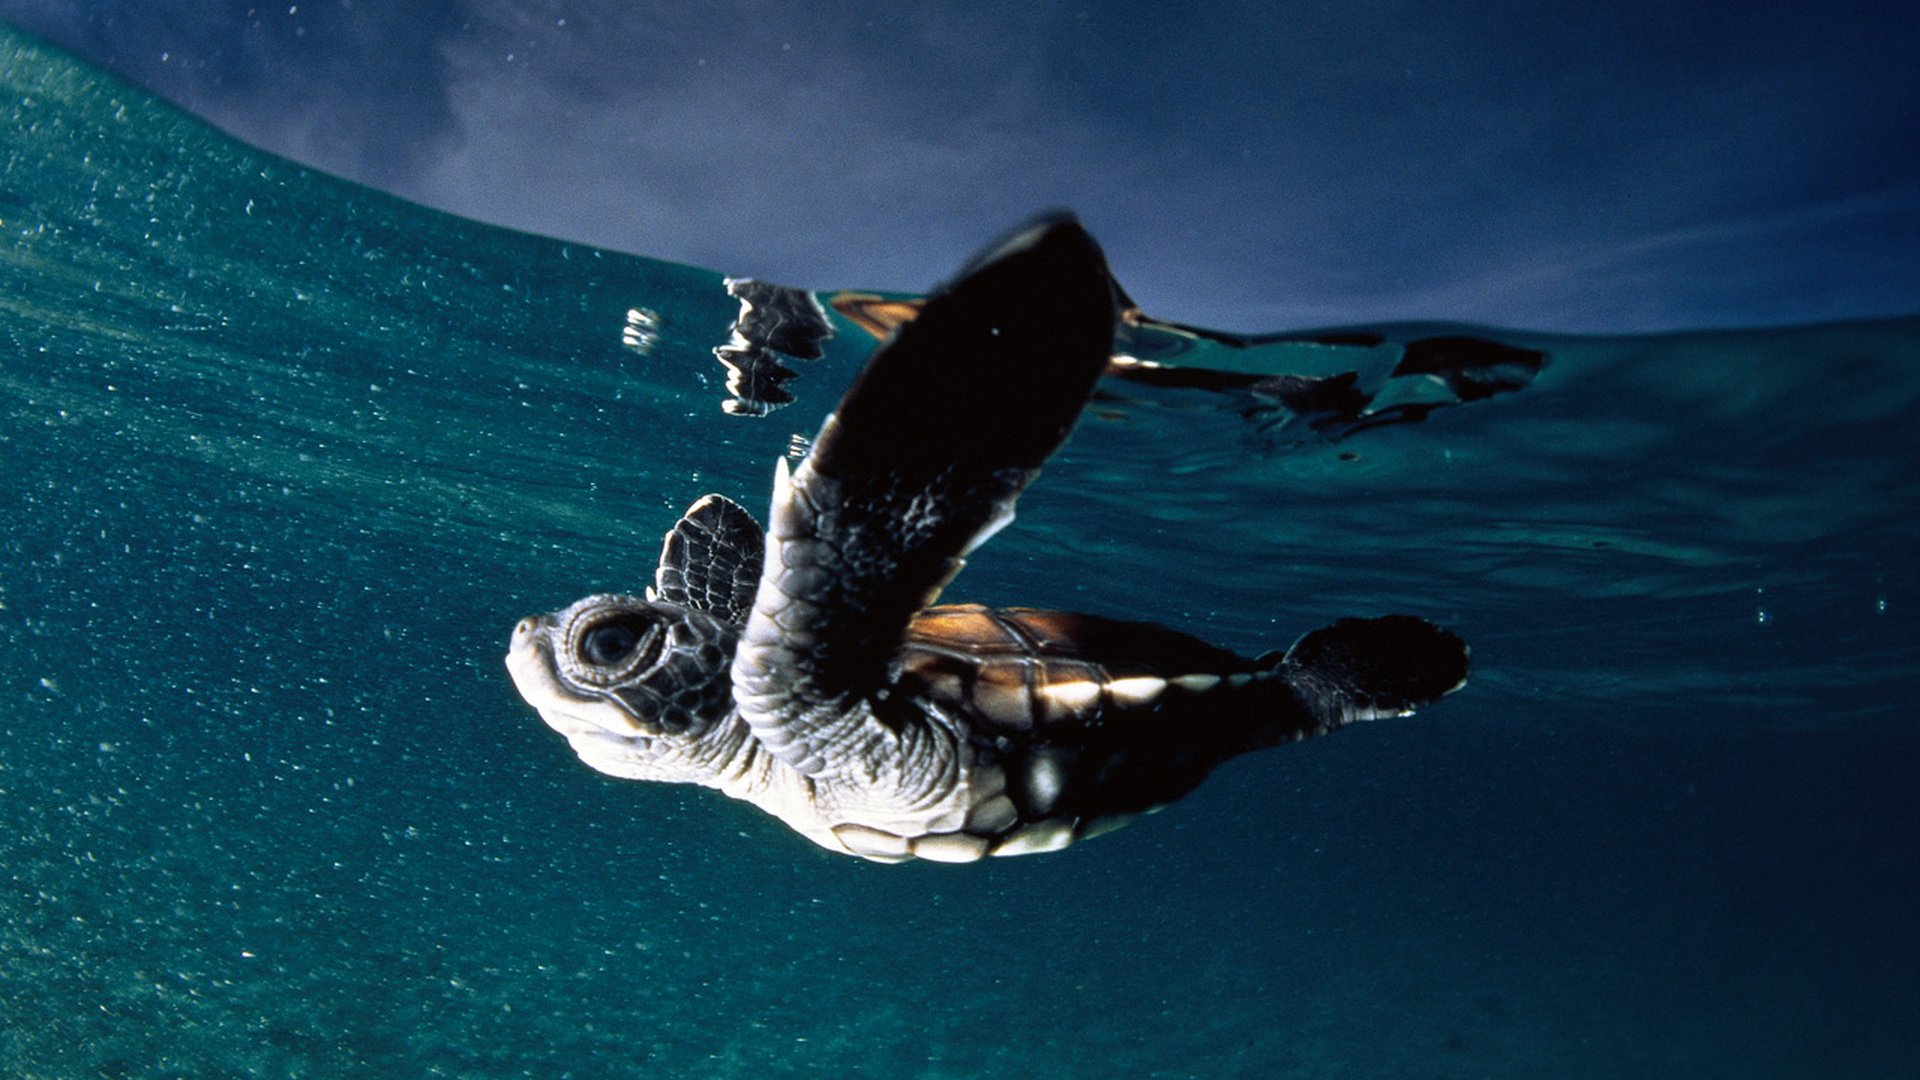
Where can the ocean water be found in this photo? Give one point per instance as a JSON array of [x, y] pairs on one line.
[[282, 460]]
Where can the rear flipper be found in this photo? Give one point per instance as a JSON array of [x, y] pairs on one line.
[[1365, 669]]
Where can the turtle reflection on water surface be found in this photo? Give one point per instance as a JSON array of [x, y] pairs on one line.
[[804, 670]]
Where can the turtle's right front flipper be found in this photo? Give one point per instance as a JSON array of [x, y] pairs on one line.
[[921, 462]]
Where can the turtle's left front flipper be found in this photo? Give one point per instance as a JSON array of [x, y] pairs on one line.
[[922, 461]]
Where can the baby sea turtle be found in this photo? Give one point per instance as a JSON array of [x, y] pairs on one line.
[[804, 669]]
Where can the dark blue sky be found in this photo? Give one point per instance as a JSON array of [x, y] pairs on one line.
[[1625, 166]]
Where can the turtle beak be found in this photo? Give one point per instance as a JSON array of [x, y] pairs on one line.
[[599, 732], [530, 661], [535, 674]]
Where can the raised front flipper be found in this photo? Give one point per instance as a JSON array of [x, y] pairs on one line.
[[921, 462]]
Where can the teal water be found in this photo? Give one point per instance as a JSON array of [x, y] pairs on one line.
[[284, 459]]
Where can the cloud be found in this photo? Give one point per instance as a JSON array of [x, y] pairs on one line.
[[757, 152], [357, 89], [1861, 247]]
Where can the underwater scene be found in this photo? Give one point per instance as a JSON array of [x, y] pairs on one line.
[[283, 460]]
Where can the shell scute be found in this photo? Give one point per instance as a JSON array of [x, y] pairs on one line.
[[950, 847], [1002, 692], [872, 843], [965, 627]]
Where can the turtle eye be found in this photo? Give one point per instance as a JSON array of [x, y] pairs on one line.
[[612, 642]]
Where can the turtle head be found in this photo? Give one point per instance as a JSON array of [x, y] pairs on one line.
[[641, 689]]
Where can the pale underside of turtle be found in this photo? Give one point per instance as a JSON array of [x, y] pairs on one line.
[[804, 669]]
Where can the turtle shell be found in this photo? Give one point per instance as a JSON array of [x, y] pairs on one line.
[[1026, 672], [1081, 722]]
